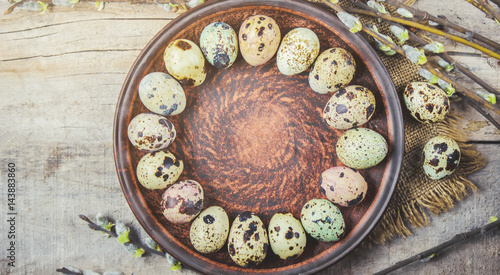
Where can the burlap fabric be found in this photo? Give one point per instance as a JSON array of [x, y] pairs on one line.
[[416, 195]]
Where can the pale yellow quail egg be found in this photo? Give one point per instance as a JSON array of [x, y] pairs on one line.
[[343, 186], [209, 230], [151, 132], [182, 201], [349, 107], [162, 94], [333, 69], [259, 38], [159, 170], [441, 157], [426, 102], [322, 220], [219, 44], [185, 62], [286, 236], [298, 50], [247, 241], [361, 148]]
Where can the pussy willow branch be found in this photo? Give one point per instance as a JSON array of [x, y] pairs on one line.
[[486, 8], [437, 249], [425, 16], [425, 28]]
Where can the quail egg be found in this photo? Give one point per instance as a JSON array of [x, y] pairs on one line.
[[219, 44], [158, 170], [185, 62], [361, 148], [259, 39], [286, 236], [209, 230], [343, 186], [151, 132], [322, 220], [162, 94], [298, 50], [247, 241], [349, 107], [333, 69], [426, 102], [441, 157], [182, 201]]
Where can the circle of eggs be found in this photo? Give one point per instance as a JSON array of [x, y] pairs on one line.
[[286, 236], [219, 44], [322, 220], [247, 241], [158, 170], [209, 230], [259, 38], [361, 148], [334, 68], [182, 201], [298, 50], [426, 102], [185, 62], [151, 132], [441, 157], [349, 107], [162, 94], [343, 186]]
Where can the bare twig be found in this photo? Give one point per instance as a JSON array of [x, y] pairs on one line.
[[486, 8]]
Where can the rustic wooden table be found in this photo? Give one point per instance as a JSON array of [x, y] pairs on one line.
[[60, 76]]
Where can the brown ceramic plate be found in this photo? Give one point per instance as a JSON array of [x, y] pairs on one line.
[[255, 139]]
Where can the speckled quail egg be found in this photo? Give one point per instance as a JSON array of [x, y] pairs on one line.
[[219, 44], [185, 62], [333, 69], [361, 148], [247, 241], [151, 132], [349, 107], [298, 50], [259, 39], [158, 170], [322, 220], [343, 186], [286, 236], [182, 201], [426, 102], [162, 94], [441, 157], [209, 230]]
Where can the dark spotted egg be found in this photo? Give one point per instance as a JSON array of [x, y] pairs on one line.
[[162, 94], [426, 102], [209, 230], [322, 220], [349, 107], [259, 38], [182, 201], [343, 186], [151, 132], [159, 170], [247, 241], [441, 157], [286, 236], [219, 44], [185, 62], [334, 68]]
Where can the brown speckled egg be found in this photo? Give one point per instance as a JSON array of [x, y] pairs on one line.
[[333, 69], [182, 201], [209, 230], [162, 94], [426, 102], [298, 50], [247, 241], [441, 157], [343, 186], [361, 148], [151, 132], [349, 107], [259, 39], [158, 170], [286, 236], [185, 62]]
